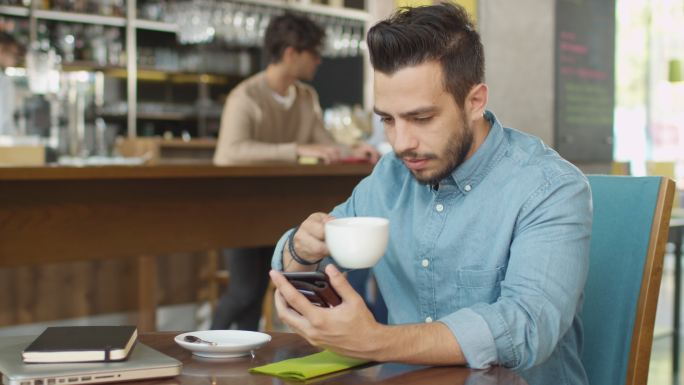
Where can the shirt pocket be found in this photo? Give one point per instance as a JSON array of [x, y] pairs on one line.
[[478, 285]]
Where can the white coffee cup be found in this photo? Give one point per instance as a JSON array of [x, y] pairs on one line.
[[357, 242]]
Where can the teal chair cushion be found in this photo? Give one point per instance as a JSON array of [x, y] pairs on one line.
[[623, 216]]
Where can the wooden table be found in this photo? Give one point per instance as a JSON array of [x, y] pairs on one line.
[[60, 214], [286, 345]]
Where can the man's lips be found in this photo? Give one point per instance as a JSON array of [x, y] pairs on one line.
[[416, 164]]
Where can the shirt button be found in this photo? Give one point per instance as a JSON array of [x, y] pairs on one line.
[[425, 263], [439, 207], [428, 319], [467, 188]]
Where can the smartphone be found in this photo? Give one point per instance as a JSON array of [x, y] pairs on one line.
[[315, 286]]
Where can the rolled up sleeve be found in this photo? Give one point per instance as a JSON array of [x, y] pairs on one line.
[[277, 260], [474, 336]]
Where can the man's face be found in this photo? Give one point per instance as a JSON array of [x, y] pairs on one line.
[[426, 128], [305, 63]]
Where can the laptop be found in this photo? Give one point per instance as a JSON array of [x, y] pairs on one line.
[[144, 362]]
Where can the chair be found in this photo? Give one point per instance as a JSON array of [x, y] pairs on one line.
[[630, 230], [666, 169]]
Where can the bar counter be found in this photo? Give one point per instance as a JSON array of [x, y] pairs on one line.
[[174, 171], [60, 214]]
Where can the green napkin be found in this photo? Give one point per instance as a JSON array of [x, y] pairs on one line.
[[307, 367]]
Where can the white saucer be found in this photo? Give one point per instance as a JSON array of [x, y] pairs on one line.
[[230, 343]]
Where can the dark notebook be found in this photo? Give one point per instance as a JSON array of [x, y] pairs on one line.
[[81, 344]]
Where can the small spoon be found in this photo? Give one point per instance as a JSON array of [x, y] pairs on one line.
[[197, 340]]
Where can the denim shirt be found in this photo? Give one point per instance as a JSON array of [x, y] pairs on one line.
[[498, 252]]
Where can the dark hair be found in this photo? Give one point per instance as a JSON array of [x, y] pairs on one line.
[[291, 30], [444, 32]]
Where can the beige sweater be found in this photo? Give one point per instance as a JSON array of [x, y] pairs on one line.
[[257, 128]]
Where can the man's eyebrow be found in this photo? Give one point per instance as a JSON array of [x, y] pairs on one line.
[[378, 112], [409, 114], [419, 111]]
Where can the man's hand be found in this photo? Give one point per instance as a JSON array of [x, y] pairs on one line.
[[366, 151], [328, 153], [348, 329], [309, 242]]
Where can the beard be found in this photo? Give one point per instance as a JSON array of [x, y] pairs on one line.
[[457, 147]]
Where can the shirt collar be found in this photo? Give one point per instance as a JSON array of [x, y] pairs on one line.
[[470, 173], [287, 100]]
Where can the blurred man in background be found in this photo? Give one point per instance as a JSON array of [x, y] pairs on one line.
[[273, 117]]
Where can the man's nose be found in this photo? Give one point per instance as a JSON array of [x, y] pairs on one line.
[[404, 139]]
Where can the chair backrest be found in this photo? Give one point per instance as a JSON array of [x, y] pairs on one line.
[[666, 169], [630, 229]]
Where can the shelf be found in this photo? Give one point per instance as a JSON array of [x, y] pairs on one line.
[[115, 71], [325, 10], [11, 10], [89, 66], [159, 26], [152, 25], [171, 117], [165, 116], [181, 77], [213, 79], [153, 75], [73, 17]]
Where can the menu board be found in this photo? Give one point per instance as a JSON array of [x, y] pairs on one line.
[[585, 82]]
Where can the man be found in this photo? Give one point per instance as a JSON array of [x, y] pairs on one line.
[[9, 53], [489, 228], [273, 116]]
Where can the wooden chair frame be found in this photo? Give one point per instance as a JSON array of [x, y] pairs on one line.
[[642, 334]]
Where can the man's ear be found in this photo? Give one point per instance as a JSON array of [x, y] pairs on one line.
[[476, 101], [288, 53]]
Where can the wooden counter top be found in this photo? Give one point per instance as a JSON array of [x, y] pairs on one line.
[[177, 171], [92, 212]]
